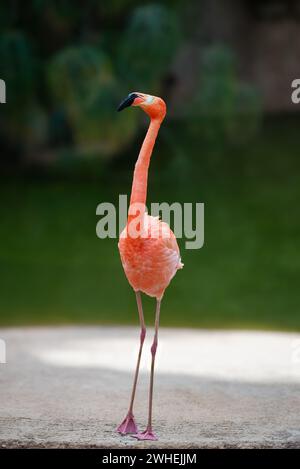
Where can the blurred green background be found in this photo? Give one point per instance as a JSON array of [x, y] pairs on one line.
[[227, 141]]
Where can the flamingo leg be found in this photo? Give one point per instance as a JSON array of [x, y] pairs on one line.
[[148, 433], [128, 425]]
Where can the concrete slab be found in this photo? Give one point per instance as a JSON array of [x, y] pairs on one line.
[[69, 387]]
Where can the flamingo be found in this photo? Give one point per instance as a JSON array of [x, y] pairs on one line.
[[151, 258]]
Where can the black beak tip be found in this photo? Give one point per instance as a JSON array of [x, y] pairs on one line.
[[127, 102]]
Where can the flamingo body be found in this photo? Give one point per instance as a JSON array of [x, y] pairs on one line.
[[151, 260]]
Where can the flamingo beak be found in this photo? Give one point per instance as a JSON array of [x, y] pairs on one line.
[[127, 101]]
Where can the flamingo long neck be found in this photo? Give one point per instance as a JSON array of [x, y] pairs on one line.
[[140, 176]]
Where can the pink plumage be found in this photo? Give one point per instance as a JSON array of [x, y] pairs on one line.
[[150, 261]]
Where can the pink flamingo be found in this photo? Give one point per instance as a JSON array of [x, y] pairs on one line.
[[151, 257]]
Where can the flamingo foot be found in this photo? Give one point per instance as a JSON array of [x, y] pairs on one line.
[[146, 435], [128, 425]]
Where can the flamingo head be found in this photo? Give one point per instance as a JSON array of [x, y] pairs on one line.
[[154, 106]]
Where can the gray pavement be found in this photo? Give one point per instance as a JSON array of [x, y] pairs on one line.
[[69, 387]]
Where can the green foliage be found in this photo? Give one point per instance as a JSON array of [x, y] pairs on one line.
[[67, 67], [82, 81], [75, 73], [230, 109], [148, 45], [25, 119], [18, 69], [79, 63], [113, 8]]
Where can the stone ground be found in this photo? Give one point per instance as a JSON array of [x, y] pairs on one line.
[[69, 387]]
